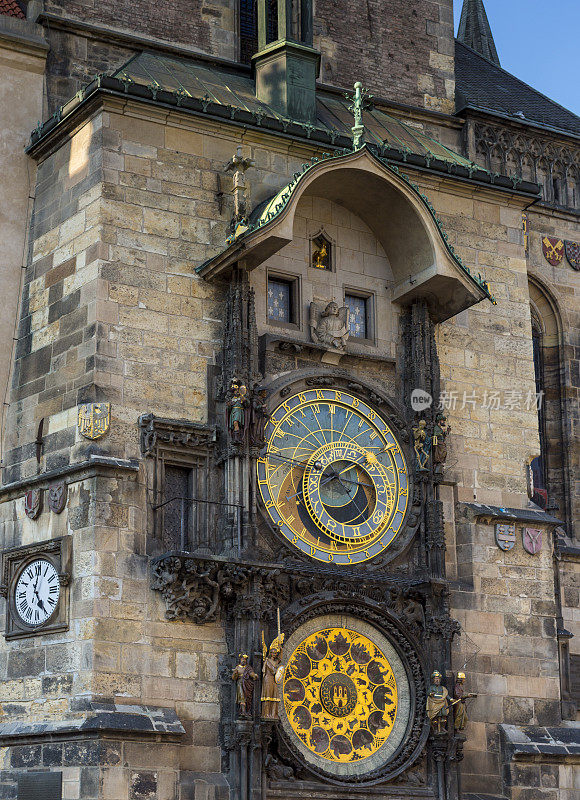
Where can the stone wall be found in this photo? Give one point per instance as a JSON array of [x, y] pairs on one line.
[[400, 52], [410, 60], [23, 54], [114, 311]]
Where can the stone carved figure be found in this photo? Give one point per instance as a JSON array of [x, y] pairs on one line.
[[244, 677], [437, 703], [272, 672], [459, 702], [421, 446], [277, 771], [237, 410], [258, 416], [329, 327], [440, 432]]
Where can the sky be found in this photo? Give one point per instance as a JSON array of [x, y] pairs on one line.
[[538, 42]]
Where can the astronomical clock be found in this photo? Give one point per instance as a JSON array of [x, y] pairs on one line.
[[334, 483], [333, 478]]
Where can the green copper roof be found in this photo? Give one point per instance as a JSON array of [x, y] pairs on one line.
[[225, 87]]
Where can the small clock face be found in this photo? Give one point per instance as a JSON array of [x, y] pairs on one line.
[[333, 478], [37, 592]]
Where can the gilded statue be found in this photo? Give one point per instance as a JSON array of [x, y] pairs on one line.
[[459, 702], [272, 673], [244, 677], [329, 327], [319, 257], [437, 703]]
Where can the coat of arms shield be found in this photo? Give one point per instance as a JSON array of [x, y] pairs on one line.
[[553, 250], [573, 254], [33, 503], [57, 497], [505, 535], [94, 419], [532, 540]]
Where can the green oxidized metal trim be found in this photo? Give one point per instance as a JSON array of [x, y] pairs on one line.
[[279, 202]]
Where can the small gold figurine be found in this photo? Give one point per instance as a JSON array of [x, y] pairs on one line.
[[319, 256], [244, 676]]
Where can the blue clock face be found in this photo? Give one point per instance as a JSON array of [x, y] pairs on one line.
[[333, 479]]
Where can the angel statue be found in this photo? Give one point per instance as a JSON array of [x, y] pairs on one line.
[[329, 327], [272, 673]]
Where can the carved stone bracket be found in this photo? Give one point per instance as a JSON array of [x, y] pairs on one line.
[[200, 589], [178, 433]]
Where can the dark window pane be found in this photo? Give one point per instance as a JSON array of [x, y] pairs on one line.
[[357, 315], [177, 512], [280, 300]]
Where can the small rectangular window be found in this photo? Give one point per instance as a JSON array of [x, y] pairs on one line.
[[282, 300], [177, 497], [359, 316]]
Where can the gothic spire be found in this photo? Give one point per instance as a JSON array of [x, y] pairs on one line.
[[475, 31]]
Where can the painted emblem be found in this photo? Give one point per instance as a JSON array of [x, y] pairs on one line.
[[33, 503], [505, 535], [553, 250], [57, 497], [532, 540], [573, 254], [94, 419]]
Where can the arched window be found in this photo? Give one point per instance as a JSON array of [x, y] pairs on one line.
[[551, 476]]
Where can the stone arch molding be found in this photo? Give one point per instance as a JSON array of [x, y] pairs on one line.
[[423, 263]]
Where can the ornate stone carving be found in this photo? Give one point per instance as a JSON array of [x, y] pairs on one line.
[[173, 432], [200, 589], [329, 327]]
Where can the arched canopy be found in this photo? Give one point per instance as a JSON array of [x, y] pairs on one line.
[[401, 218]]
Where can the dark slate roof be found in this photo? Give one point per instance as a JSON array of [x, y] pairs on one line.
[[483, 85], [475, 30]]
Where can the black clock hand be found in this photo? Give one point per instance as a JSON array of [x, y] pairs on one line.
[[352, 499], [331, 478], [317, 465]]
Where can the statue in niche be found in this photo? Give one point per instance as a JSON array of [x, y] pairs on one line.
[[244, 677], [329, 327], [440, 431], [258, 416], [459, 702], [437, 703], [272, 674], [421, 446], [237, 410]]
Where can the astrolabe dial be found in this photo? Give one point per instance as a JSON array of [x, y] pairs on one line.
[[333, 477], [340, 695]]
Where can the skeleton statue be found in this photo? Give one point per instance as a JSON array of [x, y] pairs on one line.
[[329, 327]]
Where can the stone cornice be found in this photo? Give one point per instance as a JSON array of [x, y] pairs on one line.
[[95, 465]]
